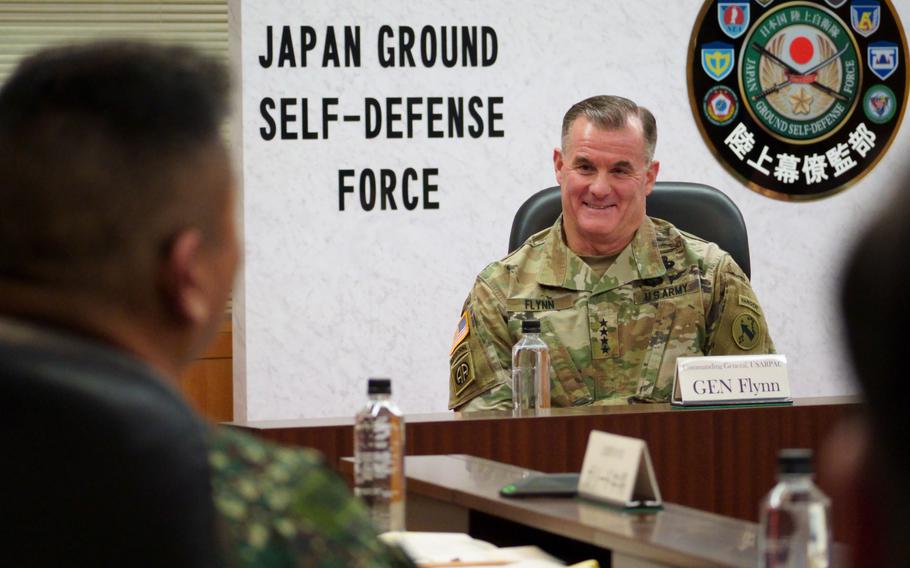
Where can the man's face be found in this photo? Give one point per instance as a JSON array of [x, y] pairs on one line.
[[605, 177]]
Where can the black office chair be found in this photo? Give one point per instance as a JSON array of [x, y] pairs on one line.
[[693, 207]]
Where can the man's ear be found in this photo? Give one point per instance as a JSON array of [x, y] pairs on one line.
[[651, 176], [182, 278], [557, 164]]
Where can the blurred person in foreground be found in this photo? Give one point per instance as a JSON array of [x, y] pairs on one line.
[[867, 458], [117, 241], [619, 295]]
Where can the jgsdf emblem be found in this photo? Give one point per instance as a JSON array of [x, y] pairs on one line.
[[733, 17], [878, 104], [721, 105], [821, 103], [883, 58], [717, 60], [865, 16]]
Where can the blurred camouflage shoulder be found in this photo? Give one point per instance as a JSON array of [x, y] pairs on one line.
[[284, 506]]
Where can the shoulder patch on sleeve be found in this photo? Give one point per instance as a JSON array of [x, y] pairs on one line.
[[747, 331], [461, 372], [461, 331]]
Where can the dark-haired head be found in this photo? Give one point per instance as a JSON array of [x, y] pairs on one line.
[[876, 310], [110, 154]]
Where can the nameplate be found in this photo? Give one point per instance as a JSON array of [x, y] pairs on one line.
[[617, 470], [730, 379]]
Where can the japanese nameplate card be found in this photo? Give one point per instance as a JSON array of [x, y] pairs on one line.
[[731, 379], [617, 470]]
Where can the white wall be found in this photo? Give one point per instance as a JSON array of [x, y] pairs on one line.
[[328, 297]]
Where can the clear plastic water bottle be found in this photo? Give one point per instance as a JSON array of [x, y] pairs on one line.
[[530, 369], [379, 457], [795, 517]]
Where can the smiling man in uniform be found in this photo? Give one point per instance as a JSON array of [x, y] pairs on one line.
[[619, 295]]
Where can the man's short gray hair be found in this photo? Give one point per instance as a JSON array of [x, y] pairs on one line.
[[612, 113]]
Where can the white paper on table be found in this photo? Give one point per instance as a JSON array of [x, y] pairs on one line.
[[438, 547]]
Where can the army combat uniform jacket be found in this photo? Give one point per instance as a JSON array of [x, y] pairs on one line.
[[611, 339]]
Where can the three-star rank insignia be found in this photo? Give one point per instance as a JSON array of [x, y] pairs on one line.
[[799, 99]]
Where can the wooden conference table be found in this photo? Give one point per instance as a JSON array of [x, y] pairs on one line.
[[718, 460], [461, 493]]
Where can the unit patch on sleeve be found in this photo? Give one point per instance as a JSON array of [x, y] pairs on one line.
[[747, 331], [461, 370], [799, 99]]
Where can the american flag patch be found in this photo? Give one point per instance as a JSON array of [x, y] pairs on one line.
[[461, 331]]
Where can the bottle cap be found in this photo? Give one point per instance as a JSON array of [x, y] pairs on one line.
[[793, 460], [379, 386], [530, 326]]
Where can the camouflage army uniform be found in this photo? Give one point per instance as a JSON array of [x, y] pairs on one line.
[[612, 339], [284, 507]]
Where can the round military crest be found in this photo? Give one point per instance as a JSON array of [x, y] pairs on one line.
[[721, 105], [822, 84], [746, 331], [879, 104]]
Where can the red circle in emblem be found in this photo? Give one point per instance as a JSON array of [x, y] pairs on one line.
[[801, 50]]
